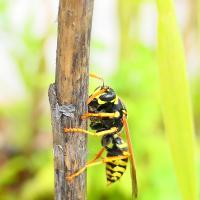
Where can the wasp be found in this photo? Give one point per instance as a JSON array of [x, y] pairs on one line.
[[108, 116]]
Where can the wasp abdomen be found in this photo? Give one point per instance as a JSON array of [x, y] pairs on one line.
[[115, 169]]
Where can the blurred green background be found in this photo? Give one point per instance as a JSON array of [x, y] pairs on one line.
[[123, 51]]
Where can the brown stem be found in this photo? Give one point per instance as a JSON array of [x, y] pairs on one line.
[[71, 90]]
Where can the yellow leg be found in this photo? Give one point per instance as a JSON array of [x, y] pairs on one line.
[[97, 155], [111, 115], [93, 163], [79, 130]]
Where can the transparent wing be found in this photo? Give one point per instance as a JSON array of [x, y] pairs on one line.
[[132, 167]]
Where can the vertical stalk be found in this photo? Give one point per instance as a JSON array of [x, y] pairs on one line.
[[175, 96], [70, 93], [128, 14]]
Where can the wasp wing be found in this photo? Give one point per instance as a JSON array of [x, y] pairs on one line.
[[131, 157]]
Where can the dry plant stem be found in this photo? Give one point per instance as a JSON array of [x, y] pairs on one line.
[[71, 88]]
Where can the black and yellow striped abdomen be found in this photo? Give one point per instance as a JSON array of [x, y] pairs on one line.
[[115, 169]]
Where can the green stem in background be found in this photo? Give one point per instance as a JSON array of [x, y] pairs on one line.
[[176, 99], [128, 14]]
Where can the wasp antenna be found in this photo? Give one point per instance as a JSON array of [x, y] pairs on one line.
[[97, 77]]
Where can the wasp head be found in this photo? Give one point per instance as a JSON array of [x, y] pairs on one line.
[[107, 96]]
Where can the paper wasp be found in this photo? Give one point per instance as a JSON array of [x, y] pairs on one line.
[[108, 116]]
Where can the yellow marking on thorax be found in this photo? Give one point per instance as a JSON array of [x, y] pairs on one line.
[[116, 100], [121, 146], [100, 101], [110, 145]]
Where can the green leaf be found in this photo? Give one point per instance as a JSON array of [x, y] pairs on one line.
[[175, 99]]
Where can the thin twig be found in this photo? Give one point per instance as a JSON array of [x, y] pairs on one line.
[[69, 94]]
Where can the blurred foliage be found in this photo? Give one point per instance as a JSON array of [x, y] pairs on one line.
[[25, 155], [175, 99], [26, 161]]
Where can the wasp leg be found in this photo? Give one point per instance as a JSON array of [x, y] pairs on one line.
[[110, 115], [98, 155], [89, 162], [93, 163], [101, 133]]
